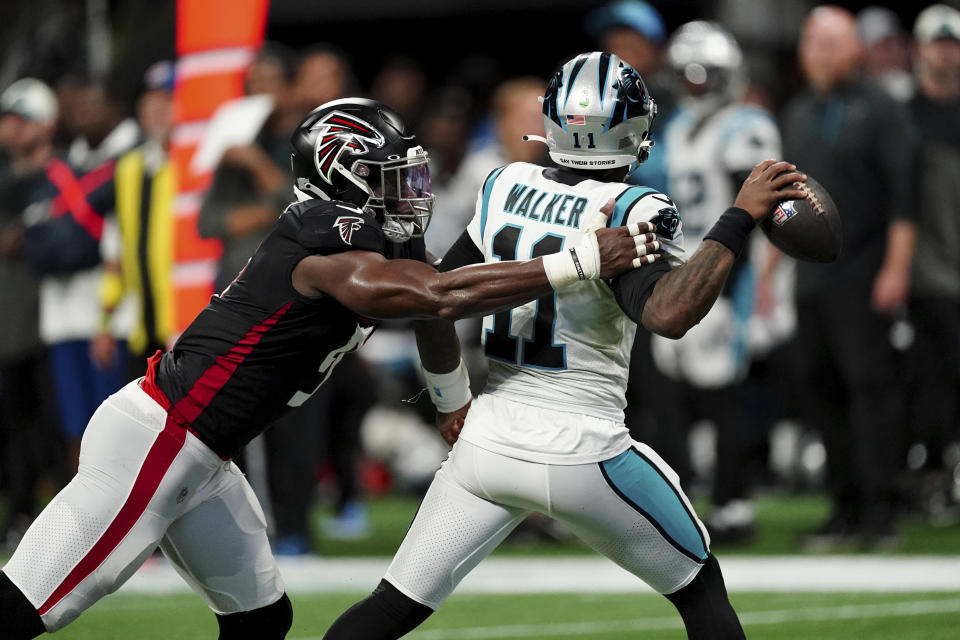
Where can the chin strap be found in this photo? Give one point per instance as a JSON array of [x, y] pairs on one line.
[[643, 151], [301, 196]]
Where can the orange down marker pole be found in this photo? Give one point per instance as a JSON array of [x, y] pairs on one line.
[[216, 42]]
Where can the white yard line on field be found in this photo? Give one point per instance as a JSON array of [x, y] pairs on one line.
[[749, 618], [586, 574]]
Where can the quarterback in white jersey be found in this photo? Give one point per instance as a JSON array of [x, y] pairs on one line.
[[569, 352], [547, 433]]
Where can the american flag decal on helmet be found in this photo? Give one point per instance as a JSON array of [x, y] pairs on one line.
[[342, 131], [347, 225]]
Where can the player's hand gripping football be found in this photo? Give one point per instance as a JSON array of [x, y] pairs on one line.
[[761, 191], [622, 248]]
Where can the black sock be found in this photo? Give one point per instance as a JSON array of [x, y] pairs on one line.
[[386, 614], [18, 618], [703, 604], [266, 623]]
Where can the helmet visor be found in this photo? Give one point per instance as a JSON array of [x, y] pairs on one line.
[[405, 197]]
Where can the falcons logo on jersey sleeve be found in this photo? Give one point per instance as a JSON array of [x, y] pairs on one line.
[[342, 131], [347, 225]]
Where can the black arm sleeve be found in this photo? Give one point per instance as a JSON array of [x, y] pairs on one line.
[[634, 287], [462, 253]]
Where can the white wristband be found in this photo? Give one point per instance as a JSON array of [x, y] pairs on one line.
[[582, 262], [449, 391]]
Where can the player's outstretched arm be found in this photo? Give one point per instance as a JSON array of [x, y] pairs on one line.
[[376, 287], [683, 296]]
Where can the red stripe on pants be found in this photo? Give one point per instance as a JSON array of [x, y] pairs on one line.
[[165, 448]]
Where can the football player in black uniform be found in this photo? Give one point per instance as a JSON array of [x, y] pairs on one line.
[[155, 465]]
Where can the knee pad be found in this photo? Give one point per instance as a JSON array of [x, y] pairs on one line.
[[266, 623], [18, 618]]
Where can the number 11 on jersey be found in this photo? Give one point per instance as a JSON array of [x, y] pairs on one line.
[[539, 350]]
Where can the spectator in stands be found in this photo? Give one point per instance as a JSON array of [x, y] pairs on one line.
[[102, 121], [634, 31], [445, 130], [81, 190], [859, 143], [516, 111], [28, 438], [886, 51], [402, 84], [251, 184], [935, 296], [323, 74], [139, 276]]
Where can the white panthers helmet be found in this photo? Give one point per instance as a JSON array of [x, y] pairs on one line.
[[597, 114], [707, 60]]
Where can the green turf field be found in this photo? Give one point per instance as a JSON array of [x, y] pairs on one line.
[[781, 519], [580, 617]]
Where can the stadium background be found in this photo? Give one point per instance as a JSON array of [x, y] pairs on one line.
[[484, 44]]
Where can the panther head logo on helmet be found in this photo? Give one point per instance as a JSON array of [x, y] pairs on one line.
[[607, 124]]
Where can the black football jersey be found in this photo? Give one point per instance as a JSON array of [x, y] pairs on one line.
[[260, 348]]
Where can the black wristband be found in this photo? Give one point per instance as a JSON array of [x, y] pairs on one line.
[[576, 264], [732, 229]]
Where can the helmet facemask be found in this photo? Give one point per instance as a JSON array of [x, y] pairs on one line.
[[400, 194]]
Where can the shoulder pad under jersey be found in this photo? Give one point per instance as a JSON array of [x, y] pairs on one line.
[[331, 227]]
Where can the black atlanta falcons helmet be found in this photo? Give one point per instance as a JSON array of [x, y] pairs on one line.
[[359, 151]]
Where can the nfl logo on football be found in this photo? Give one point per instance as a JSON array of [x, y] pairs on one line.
[[783, 213]]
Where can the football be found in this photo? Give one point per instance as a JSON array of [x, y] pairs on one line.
[[807, 229]]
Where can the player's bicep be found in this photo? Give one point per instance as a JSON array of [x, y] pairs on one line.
[[368, 283]]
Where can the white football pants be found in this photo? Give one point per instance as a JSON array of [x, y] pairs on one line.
[[144, 482], [630, 508]]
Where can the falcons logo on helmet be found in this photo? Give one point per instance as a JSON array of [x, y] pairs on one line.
[[341, 131], [347, 225]]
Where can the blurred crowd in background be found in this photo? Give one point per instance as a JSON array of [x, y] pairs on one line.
[[840, 378]]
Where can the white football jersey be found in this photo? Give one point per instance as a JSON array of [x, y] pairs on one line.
[[570, 350], [701, 157]]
